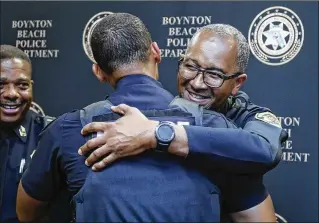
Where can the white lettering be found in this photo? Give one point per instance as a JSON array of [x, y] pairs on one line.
[[182, 31], [187, 20], [172, 53], [25, 24], [289, 132], [31, 34], [295, 157], [42, 53], [289, 121], [31, 43], [178, 42], [287, 145]]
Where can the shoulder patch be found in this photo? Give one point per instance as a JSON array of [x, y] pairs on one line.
[[46, 124], [48, 119], [269, 118]]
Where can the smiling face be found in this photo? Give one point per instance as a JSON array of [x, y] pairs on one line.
[[15, 90], [209, 51]]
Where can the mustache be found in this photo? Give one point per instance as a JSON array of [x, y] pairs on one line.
[[205, 93]]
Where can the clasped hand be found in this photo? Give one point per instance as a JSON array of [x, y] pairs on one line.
[[130, 135]]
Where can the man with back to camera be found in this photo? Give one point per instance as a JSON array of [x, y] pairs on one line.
[[19, 128], [140, 188], [224, 52]]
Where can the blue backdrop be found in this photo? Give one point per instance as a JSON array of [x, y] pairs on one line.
[[282, 73]]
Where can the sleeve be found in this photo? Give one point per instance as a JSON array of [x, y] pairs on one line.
[[263, 123], [42, 178], [256, 148], [250, 138], [240, 193], [232, 150]]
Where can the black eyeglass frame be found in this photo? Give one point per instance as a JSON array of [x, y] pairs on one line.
[[199, 69]]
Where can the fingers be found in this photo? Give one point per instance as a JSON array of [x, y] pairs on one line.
[[91, 144], [95, 127], [105, 162], [97, 155], [123, 109], [118, 109], [113, 157]]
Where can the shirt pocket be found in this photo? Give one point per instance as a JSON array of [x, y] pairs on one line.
[[16, 168]]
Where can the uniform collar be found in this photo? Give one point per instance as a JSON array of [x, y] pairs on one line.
[[23, 129], [137, 79], [240, 100]]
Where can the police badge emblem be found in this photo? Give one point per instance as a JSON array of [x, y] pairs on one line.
[[86, 38], [269, 118], [37, 109], [22, 131], [276, 35]]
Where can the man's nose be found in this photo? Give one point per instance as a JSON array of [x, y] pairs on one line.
[[10, 92], [198, 82]]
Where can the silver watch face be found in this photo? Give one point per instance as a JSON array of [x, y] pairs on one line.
[[165, 132]]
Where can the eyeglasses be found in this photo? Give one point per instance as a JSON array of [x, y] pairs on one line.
[[211, 78]]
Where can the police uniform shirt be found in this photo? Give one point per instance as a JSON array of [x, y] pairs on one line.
[[16, 147], [63, 167]]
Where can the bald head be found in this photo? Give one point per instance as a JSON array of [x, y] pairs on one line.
[[230, 34], [222, 51]]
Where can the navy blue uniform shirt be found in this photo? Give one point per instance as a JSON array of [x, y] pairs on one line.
[[62, 167], [17, 145]]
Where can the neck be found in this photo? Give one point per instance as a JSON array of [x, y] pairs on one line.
[[222, 108], [137, 68]]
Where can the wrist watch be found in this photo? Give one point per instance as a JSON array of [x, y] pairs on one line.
[[164, 133]]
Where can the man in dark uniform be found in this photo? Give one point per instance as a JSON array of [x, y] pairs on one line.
[[151, 186], [19, 126], [210, 74]]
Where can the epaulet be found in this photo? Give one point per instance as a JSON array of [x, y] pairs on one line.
[[44, 120], [240, 100], [47, 120], [242, 94]]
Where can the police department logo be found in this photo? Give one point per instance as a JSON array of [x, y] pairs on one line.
[[269, 118], [280, 219], [276, 35], [37, 109], [86, 39]]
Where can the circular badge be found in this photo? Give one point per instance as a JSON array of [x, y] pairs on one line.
[[86, 38], [276, 35], [37, 109], [280, 219]]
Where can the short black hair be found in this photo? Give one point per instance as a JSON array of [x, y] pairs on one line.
[[10, 52], [120, 39]]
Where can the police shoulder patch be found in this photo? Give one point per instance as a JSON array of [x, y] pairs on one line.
[[269, 118]]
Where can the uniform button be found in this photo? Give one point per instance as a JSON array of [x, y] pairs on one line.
[[38, 119]]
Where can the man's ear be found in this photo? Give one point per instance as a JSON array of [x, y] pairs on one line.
[[156, 52], [240, 80], [99, 73]]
